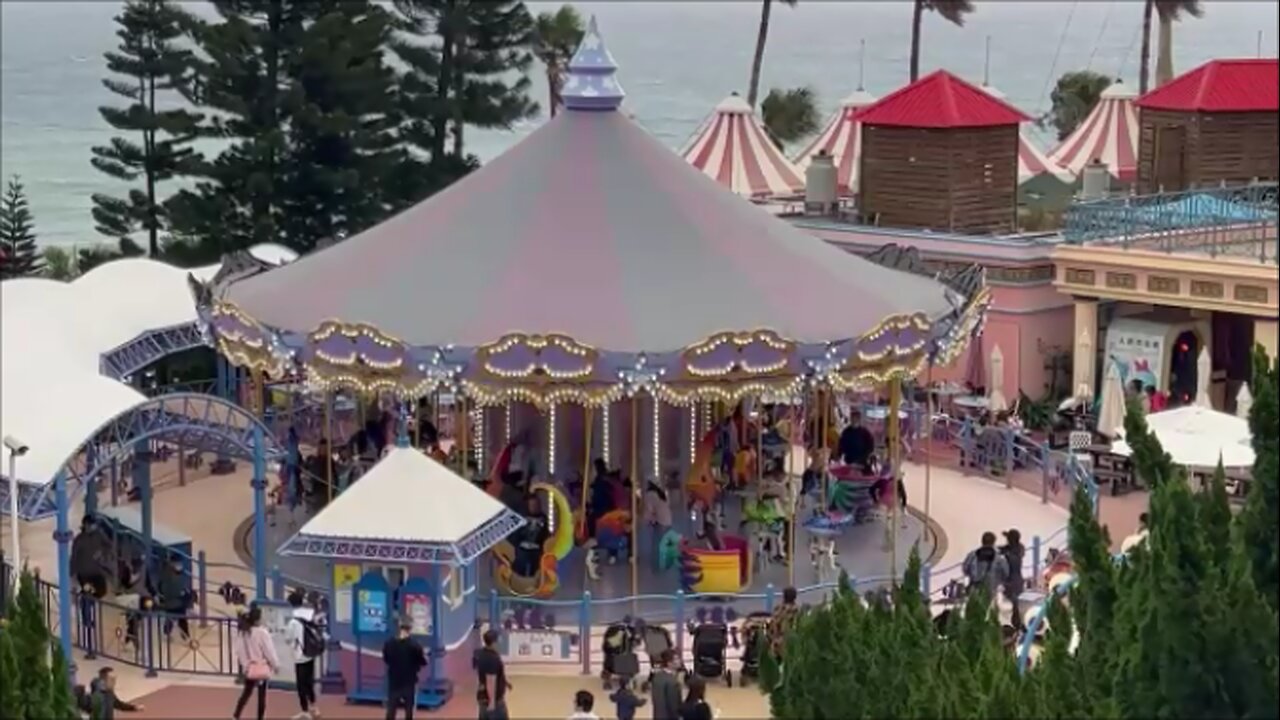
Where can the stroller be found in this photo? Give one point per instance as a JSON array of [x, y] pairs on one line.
[[710, 651], [755, 633], [657, 640], [620, 661]]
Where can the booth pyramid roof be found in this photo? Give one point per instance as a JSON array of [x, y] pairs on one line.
[[940, 100], [733, 147], [409, 505], [589, 228], [1220, 86]]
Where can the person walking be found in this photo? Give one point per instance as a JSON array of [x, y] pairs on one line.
[[404, 658], [666, 688], [491, 697], [985, 567], [257, 659], [583, 706], [103, 702], [1013, 552], [306, 641], [695, 705]]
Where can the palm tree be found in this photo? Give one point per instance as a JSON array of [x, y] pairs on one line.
[[555, 38], [790, 115], [757, 61], [1168, 12], [953, 11]]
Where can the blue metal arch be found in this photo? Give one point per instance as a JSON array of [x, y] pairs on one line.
[[197, 421], [127, 359]]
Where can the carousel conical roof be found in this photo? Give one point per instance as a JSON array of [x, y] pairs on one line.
[[589, 228]]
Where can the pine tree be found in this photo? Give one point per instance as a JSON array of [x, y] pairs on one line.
[[1095, 598], [151, 68], [10, 697], [1215, 518], [478, 76], [18, 234], [342, 143], [1258, 529], [62, 701], [31, 648]]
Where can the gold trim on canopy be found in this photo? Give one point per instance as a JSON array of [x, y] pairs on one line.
[[538, 370]]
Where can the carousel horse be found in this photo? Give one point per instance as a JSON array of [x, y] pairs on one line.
[[767, 522], [823, 556]]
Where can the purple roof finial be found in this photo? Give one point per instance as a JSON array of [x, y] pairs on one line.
[[590, 83]]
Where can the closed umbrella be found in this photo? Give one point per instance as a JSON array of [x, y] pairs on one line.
[[974, 373], [1204, 367], [1244, 402], [1111, 413], [996, 401]]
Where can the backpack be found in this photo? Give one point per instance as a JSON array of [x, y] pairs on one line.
[[313, 644]]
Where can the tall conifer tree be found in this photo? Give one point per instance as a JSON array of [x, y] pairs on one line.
[[18, 234], [151, 69], [1258, 528]]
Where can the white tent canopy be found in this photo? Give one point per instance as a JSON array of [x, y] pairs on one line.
[[52, 338], [1197, 437], [407, 497]]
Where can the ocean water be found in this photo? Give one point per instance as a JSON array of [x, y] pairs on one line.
[[677, 60]]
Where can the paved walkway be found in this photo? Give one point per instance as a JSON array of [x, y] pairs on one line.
[[210, 508]]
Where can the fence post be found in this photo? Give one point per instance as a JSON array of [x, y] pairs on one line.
[[1035, 557], [1046, 464], [680, 624], [149, 637], [768, 597], [584, 632], [1008, 459], [277, 584], [202, 587], [495, 611]]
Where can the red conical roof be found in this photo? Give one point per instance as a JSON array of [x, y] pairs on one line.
[[940, 100], [1220, 86]]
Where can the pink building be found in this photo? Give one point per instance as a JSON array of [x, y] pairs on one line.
[[1029, 320]]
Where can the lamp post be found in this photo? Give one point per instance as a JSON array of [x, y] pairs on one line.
[[17, 449]]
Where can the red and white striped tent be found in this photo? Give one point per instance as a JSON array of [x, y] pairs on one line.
[[1032, 161], [734, 149], [1109, 134], [842, 140]]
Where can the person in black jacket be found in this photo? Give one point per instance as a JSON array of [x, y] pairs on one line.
[[695, 705], [404, 658], [857, 443]]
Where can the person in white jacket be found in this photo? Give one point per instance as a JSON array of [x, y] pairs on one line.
[[302, 622]]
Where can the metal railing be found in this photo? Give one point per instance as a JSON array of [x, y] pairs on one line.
[[1226, 221]]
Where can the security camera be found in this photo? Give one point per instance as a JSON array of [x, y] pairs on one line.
[[16, 446]]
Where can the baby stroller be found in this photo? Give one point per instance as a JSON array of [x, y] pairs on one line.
[[755, 633], [620, 661], [657, 640], [710, 651]]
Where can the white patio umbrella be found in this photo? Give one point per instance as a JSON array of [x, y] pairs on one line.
[[996, 401], [1111, 413], [1204, 368], [1196, 437], [1244, 402]]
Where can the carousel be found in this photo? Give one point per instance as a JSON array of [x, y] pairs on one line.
[[636, 360]]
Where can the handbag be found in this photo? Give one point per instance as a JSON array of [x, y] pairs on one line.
[[257, 670]]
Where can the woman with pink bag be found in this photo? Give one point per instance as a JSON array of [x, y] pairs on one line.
[[256, 655]]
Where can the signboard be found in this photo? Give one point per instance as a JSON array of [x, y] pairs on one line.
[[1138, 353], [371, 611], [276, 618], [345, 576], [536, 646], [417, 606]]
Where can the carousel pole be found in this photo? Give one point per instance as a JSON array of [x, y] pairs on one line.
[[328, 442], [635, 472], [462, 434], [822, 446], [895, 457], [928, 440], [589, 413]]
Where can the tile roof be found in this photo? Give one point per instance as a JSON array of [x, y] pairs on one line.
[[1248, 85], [941, 100]]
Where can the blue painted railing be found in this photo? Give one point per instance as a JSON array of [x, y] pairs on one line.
[[1229, 221]]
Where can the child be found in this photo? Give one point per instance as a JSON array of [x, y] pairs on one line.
[[627, 702]]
